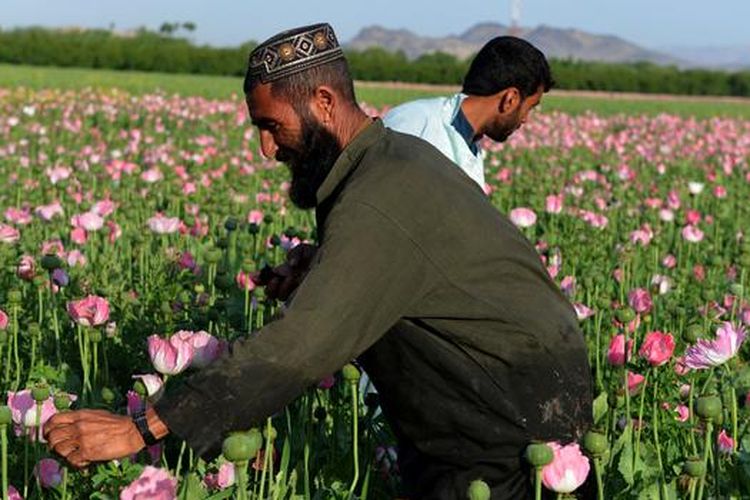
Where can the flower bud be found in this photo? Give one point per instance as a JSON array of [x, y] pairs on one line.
[[6, 416], [253, 228], [708, 407], [595, 443], [40, 392], [350, 373], [267, 219], [539, 454], [694, 467], [478, 490], [95, 335]]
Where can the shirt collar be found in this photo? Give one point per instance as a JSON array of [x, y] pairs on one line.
[[461, 124], [350, 158]]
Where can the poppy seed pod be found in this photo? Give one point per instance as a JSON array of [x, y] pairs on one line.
[[239, 447], [478, 490], [692, 334], [230, 224], [350, 373], [694, 467], [539, 454], [15, 297], [40, 392], [6, 417], [625, 315], [272, 433], [108, 396], [708, 407], [51, 261], [595, 443], [62, 401]]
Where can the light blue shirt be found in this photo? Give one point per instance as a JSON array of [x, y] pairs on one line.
[[433, 121]]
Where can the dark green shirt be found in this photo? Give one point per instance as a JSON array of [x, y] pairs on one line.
[[473, 349]]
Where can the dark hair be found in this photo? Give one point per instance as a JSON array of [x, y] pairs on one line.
[[504, 62], [298, 88]]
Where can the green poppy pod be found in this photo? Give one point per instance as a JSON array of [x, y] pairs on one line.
[[539, 454], [478, 490], [708, 407]]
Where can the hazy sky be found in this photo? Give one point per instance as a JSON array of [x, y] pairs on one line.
[[650, 23]]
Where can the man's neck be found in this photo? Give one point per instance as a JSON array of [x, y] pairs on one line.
[[475, 109], [352, 123]]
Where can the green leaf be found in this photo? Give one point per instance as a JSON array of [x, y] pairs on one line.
[[600, 407], [192, 488], [625, 462]]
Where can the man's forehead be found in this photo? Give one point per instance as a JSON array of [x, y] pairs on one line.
[[262, 103]]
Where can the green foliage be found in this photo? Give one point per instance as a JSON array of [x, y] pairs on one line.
[[163, 51]]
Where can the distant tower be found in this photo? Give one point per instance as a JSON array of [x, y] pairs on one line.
[[515, 18]]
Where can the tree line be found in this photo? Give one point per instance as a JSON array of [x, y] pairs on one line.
[[145, 50]]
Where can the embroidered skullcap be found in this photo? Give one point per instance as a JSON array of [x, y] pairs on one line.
[[293, 51]]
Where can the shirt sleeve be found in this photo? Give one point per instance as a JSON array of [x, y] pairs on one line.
[[367, 273], [409, 119]]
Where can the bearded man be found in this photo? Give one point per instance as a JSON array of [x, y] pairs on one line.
[[474, 350]]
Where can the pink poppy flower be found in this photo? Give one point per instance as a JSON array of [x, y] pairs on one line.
[[23, 412], [669, 261], [13, 493], [152, 175], [582, 311], [554, 203], [91, 311], [683, 413], [163, 225], [222, 479], [635, 382], [244, 281], [708, 353], [255, 217], [657, 348], [692, 234], [568, 469], [18, 216], [327, 382], [57, 174], [640, 300], [104, 207], [170, 356], [48, 212], [153, 383], [48, 472], [26, 267], [725, 443], [89, 221], [3, 320], [523, 217], [616, 351], [152, 484], [76, 258], [9, 234], [78, 235], [207, 348]]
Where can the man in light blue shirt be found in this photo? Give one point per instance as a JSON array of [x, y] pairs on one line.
[[505, 81]]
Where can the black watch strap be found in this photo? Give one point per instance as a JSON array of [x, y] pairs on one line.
[[141, 423]]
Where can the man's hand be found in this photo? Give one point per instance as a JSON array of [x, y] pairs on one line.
[[282, 280], [86, 436]]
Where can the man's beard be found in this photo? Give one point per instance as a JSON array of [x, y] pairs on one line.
[[310, 162]]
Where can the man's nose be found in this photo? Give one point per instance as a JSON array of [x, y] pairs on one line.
[[268, 146]]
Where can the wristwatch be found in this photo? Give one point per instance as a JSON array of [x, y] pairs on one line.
[[141, 423]]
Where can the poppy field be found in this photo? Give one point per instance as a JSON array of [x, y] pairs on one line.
[[132, 224]]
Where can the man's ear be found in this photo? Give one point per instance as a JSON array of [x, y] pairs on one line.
[[323, 104], [510, 100]]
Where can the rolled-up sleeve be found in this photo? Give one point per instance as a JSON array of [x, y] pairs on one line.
[[366, 274]]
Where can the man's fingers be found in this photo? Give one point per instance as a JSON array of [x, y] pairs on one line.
[[65, 448], [60, 434], [76, 459]]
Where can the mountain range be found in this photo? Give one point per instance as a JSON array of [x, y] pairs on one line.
[[554, 42]]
